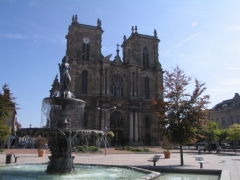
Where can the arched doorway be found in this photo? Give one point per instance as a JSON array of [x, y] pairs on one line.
[[117, 126]]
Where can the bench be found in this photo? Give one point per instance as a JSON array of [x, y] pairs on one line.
[[200, 160], [16, 157], [154, 159]]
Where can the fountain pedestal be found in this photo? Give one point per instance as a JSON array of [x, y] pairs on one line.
[[60, 164]]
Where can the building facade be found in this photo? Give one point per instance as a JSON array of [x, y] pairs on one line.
[[127, 83], [227, 112]]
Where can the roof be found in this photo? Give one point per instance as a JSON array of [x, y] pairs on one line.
[[146, 36]]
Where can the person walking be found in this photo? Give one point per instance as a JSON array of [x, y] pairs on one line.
[[199, 149], [219, 149]]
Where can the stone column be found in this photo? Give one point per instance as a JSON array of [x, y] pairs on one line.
[[131, 82], [136, 126], [135, 85], [103, 78], [108, 82], [131, 127]]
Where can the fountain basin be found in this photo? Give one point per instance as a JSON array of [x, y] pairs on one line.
[[83, 172]]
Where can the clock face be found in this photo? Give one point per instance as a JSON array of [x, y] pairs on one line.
[[86, 40]]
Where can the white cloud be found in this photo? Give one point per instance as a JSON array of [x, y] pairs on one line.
[[20, 36], [187, 39], [38, 36], [231, 82], [165, 53], [234, 68], [233, 28], [194, 24], [12, 36]]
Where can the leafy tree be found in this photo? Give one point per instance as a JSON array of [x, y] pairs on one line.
[[7, 104], [180, 113], [211, 131], [222, 136], [234, 134], [4, 131], [7, 107]]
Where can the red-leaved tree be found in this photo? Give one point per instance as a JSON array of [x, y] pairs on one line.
[[180, 113]]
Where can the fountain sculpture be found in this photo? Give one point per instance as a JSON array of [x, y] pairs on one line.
[[61, 112]]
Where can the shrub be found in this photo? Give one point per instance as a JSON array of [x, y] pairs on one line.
[[93, 149], [40, 142], [85, 148], [134, 149]]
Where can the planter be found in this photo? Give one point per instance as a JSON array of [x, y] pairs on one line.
[[167, 154], [41, 152]]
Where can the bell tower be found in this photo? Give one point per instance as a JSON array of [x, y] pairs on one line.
[[142, 49], [84, 42]]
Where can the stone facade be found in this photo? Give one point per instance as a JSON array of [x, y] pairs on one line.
[[227, 112], [128, 83]]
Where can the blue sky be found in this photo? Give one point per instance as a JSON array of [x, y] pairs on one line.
[[201, 37]]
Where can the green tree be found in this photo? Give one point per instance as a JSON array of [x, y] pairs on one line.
[[4, 131], [234, 134], [7, 107], [180, 113], [7, 104], [222, 136], [211, 132]]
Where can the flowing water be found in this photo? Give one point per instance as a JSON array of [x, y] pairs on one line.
[[83, 172]]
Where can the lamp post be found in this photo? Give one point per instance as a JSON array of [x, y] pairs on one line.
[[105, 125]]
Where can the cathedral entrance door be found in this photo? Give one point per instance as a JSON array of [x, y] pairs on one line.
[[118, 138], [148, 139]]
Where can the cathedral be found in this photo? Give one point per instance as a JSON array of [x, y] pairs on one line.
[[117, 92]]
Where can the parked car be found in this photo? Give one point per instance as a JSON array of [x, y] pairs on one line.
[[29, 145], [21, 144], [226, 145]]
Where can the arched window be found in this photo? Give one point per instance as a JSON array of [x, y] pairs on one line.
[[84, 81], [116, 86], [85, 51], [146, 87], [145, 58], [116, 120]]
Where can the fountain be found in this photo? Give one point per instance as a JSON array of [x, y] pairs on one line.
[[61, 112]]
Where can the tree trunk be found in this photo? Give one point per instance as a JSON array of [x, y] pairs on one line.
[[234, 146], [181, 154], [220, 142]]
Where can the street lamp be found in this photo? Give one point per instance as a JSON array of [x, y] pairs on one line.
[[105, 125]]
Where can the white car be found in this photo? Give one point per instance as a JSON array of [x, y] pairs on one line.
[[226, 145]]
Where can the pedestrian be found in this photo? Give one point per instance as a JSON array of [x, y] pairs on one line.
[[219, 149], [199, 150]]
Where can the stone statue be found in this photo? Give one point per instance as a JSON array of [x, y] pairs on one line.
[[65, 78], [99, 23], [155, 32], [124, 38]]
